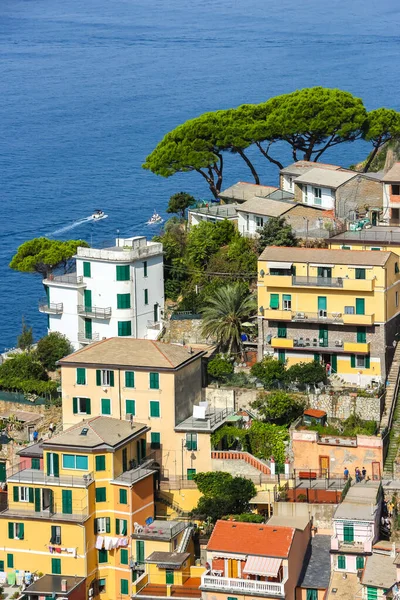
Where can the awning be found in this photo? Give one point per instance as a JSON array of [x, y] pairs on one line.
[[262, 565], [279, 265]]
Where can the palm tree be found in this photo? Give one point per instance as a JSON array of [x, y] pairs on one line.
[[224, 313]]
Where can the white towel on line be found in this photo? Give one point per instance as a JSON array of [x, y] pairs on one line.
[[99, 542]]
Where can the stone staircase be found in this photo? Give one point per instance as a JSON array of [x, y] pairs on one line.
[[391, 413], [175, 508]]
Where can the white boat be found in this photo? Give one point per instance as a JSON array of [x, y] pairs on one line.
[[155, 219], [98, 214]]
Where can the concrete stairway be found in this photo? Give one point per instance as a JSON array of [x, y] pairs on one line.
[[391, 413]]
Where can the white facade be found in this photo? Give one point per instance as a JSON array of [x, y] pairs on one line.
[[249, 223], [288, 182], [318, 196], [117, 291]]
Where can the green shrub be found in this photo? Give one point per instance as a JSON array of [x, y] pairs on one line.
[[219, 367]]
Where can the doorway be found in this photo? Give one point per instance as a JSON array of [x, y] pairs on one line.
[[324, 466], [395, 216]]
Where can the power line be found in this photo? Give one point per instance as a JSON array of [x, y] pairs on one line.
[[251, 275]]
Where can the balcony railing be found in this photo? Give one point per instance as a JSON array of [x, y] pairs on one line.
[[242, 586], [71, 279], [85, 339], [18, 475], [79, 512], [318, 281], [362, 546], [51, 308], [94, 312]]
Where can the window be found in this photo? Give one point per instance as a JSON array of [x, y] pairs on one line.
[[146, 296], [123, 273], [105, 377], [154, 408], [124, 328], [396, 267], [145, 268], [105, 406], [232, 598], [359, 562], [55, 535], [25, 494], [346, 247], [86, 269], [191, 441], [396, 298], [10, 561], [129, 379], [81, 406], [360, 306], [121, 526], [80, 376], [130, 408], [100, 462], [35, 464], [101, 494], [396, 189], [317, 196], [75, 461], [101, 585], [360, 273], [123, 556], [155, 440], [312, 594], [103, 556], [154, 381], [102, 525], [349, 310], [372, 593], [341, 562], [259, 222], [287, 302], [282, 330], [123, 496], [124, 586], [375, 248], [281, 356], [361, 335], [348, 533], [190, 473], [123, 300], [274, 301], [290, 182], [16, 531]]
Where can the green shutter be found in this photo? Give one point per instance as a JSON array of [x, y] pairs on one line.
[[95, 525], [48, 463], [322, 303], [10, 561], [111, 378], [282, 330], [316, 358], [81, 376], [154, 381], [108, 525], [281, 356], [360, 273], [37, 500], [348, 533], [368, 362], [116, 526], [361, 335], [123, 496], [123, 300], [35, 464], [56, 465], [66, 501], [334, 363], [124, 586], [359, 562], [129, 379], [98, 377], [87, 300], [124, 556], [21, 533], [360, 306], [130, 407], [124, 328], [101, 494], [56, 566], [341, 562], [103, 556], [88, 411], [75, 406], [86, 269], [11, 531], [312, 594], [145, 268], [123, 273], [30, 494], [105, 406], [353, 361], [274, 301], [190, 474], [372, 593], [100, 462], [16, 493], [140, 551], [154, 408], [155, 440]]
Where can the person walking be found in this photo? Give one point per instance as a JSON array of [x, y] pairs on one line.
[[364, 472], [52, 429], [358, 475], [35, 436], [346, 473]]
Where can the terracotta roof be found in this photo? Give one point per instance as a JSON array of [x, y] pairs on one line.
[[317, 414], [251, 538], [393, 174], [129, 352], [321, 256]]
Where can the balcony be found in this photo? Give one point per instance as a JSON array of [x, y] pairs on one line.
[[71, 280], [358, 319], [281, 281], [351, 547], [331, 282], [94, 312], [79, 512], [320, 344], [242, 586], [318, 317], [50, 308], [34, 476], [278, 315], [85, 339], [282, 342], [357, 347]]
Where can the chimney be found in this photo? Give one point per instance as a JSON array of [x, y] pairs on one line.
[[64, 585]]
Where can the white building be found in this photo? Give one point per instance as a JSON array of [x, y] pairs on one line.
[[116, 291]]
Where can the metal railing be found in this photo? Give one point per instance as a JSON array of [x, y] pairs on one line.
[[72, 278], [94, 311], [76, 512], [82, 337], [153, 324], [243, 586], [318, 281], [50, 307], [321, 316], [18, 475]]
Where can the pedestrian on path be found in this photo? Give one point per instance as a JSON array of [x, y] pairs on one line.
[[346, 473], [364, 472]]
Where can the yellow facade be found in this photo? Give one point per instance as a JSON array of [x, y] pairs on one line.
[[83, 503], [319, 306]]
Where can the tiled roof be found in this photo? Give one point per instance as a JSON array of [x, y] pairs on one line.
[[326, 177], [393, 174], [131, 353], [302, 166], [313, 412], [323, 256], [266, 207], [251, 538], [317, 563]]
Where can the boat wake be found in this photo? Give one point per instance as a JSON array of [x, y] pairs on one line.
[[73, 225]]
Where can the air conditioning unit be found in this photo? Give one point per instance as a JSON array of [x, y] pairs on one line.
[[300, 315], [338, 343]]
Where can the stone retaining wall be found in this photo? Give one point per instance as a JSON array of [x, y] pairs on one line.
[[343, 405]]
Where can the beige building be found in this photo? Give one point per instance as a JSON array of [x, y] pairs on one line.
[[150, 382]]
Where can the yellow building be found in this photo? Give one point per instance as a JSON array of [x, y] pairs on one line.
[[152, 382], [336, 306], [379, 238], [76, 517]]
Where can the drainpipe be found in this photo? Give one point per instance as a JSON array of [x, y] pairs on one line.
[[119, 393], [136, 308]]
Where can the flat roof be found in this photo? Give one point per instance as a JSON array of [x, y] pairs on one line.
[[378, 235], [214, 418], [316, 570], [379, 571], [266, 207], [359, 511], [49, 584], [225, 211], [316, 255], [299, 522], [326, 177], [168, 559], [32, 451], [242, 190], [132, 353], [160, 529]]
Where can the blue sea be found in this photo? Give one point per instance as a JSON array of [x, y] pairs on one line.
[[89, 87]]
